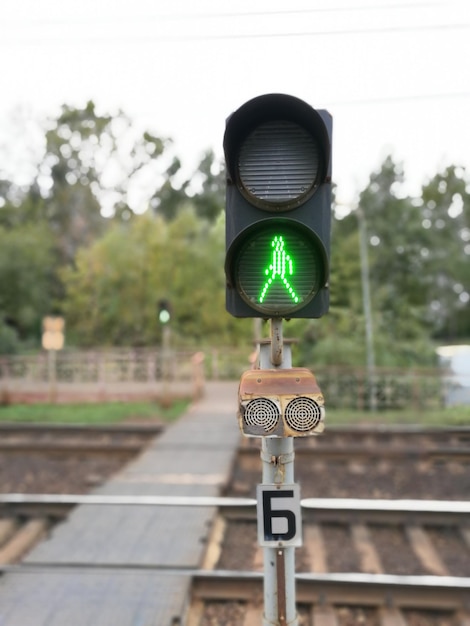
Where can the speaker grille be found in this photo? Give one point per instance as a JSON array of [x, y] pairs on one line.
[[302, 414], [262, 413]]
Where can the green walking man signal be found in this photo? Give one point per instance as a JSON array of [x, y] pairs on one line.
[[281, 266]]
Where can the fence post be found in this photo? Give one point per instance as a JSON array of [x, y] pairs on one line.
[[197, 362], [4, 390]]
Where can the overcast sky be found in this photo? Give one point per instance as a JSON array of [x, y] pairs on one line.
[[394, 74]]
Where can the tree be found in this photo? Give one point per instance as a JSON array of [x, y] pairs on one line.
[[397, 265], [26, 259], [205, 190], [113, 292], [96, 166], [445, 215], [168, 199], [93, 167], [396, 269], [210, 200]]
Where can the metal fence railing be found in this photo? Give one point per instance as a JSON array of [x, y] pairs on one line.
[[351, 387], [106, 374], [347, 387], [145, 371]]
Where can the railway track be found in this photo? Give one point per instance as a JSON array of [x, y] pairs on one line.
[[349, 535], [391, 463], [67, 458], [334, 600], [364, 561], [369, 537], [384, 563], [390, 443], [60, 439], [228, 590]]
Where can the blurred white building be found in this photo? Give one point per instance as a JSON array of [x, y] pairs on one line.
[[455, 360]]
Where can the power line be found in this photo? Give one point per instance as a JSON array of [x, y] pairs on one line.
[[386, 30], [367, 101], [221, 15], [379, 7], [398, 99]]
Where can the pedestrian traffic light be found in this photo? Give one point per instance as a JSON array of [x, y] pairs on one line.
[[278, 208]]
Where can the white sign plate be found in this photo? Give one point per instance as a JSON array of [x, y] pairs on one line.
[[279, 516]]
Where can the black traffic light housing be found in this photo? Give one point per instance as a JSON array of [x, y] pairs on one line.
[[278, 208]]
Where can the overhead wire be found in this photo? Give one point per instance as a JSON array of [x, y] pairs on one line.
[[236, 36], [398, 99], [182, 38], [178, 17], [224, 14]]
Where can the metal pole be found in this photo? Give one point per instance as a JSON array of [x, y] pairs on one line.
[[277, 343], [166, 365], [277, 456], [52, 375], [367, 308]]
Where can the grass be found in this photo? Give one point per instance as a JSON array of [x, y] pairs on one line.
[[114, 412], [101, 413], [450, 416]]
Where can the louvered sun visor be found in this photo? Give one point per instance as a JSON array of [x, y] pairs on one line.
[[277, 151]]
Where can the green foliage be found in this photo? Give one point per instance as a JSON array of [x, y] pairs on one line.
[[59, 254], [395, 241], [113, 292], [205, 190], [445, 211], [9, 340], [210, 200], [419, 254], [418, 251], [26, 259], [107, 413]]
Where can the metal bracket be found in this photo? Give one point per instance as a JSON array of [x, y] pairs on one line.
[[277, 342], [282, 459]]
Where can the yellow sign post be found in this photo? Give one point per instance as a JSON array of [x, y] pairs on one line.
[[52, 340]]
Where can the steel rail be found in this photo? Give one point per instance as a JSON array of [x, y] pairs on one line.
[[350, 510], [354, 451], [124, 500], [406, 505], [374, 590], [349, 504], [69, 448], [72, 431], [314, 509], [96, 429], [59, 505], [379, 430], [398, 429], [425, 592]]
